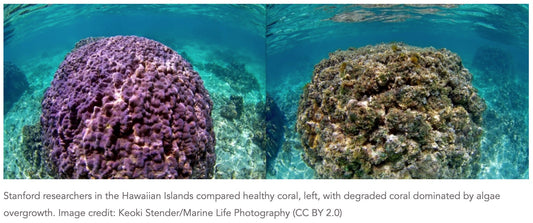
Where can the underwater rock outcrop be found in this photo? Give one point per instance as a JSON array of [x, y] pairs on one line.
[[236, 75], [128, 107], [15, 84], [31, 150], [391, 111]]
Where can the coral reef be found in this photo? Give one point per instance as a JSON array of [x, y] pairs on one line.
[[397, 112], [15, 84], [32, 152], [238, 154], [26, 112], [233, 109], [235, 74], [128, 107]]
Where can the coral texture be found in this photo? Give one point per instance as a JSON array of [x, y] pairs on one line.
[[233, 109], [236, 75], [128, 107], [14, 86], [391, 111], [31, 149]]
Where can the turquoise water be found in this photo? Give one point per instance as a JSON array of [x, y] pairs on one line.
[[299, 36], [38, 38], [279, 46]]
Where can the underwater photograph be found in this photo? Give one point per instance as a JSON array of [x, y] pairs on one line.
[[400, 91], [292, 91], [134, 91]]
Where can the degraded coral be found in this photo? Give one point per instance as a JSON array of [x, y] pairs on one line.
[[127, 107], [31, 149], [409, 113]]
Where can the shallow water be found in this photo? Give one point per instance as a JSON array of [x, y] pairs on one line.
[[39, 37], [279, 46], [299, 36]]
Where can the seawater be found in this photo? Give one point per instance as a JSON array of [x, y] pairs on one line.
[[299, 36], [37, 38], [279, 46]]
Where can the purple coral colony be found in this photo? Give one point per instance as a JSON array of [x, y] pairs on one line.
[[127, 107], [391, 111]]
